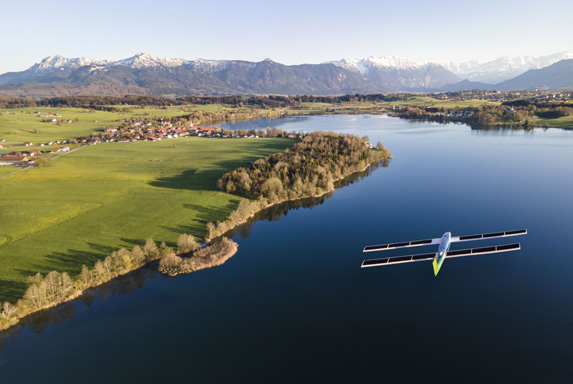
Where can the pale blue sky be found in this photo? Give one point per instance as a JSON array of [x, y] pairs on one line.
[[289, 32]]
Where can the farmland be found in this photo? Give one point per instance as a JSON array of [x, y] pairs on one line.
[[25, 124]]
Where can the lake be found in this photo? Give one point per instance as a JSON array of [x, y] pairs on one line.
[[293, 305]]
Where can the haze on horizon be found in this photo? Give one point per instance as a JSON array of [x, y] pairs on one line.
[[300, 32]]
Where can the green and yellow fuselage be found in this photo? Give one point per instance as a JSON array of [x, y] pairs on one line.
[[442, 252]]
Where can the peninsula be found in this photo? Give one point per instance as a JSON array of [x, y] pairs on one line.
[[176, 180]]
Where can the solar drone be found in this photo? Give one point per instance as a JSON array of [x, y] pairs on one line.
[[443, 249]]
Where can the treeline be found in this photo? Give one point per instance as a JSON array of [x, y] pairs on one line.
[[106, 103], [88, 102], [278, 101], [510, 114], [308, 169], [56, 287], [230, 115]]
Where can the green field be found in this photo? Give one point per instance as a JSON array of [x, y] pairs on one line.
[[426, 101], [84, 205], [560, 122], [23, 124]]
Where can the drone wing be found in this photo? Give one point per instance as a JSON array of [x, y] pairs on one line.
[[483, 236], [406, 244], [430, 256]]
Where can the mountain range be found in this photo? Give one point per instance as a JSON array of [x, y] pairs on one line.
[[146, 74]]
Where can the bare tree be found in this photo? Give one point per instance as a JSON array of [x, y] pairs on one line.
[[186, 243], [8, 310], [150, 249]]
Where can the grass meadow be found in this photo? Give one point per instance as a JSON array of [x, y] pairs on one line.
[[560, 122], [91, 202], [23, 124]]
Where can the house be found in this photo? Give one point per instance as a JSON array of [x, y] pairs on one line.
[[64, 149], [31, 152], [27, 144], [111, 129]]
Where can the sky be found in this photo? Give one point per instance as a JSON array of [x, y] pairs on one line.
[[288, 32]]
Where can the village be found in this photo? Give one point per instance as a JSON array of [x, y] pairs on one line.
[[129, 130]]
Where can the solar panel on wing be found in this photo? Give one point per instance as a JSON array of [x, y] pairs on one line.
[[375, 247], [420, 242], [508, 247], [517, 232], [497, 234], [374, 262], [396, 245], [471, 237], [399, 259], [426, 256]]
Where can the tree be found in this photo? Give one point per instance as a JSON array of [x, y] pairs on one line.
[[210, 230], [86, 277], [43, 160], [150, 250], [272, 187], [8, 310], [186, 243], [169, 261], [138, 255], [99, 271]]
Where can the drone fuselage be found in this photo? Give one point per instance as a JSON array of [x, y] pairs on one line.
[[443, 249]]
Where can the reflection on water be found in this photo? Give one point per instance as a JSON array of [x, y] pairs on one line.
[[39, 321], [276, 212], [504, 128]]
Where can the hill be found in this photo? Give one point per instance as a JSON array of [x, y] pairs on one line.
[[555, 76]]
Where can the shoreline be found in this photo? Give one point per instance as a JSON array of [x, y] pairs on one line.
[[209, 241], [77, 294], [12, 315]]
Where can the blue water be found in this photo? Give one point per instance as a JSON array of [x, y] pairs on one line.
[[293, 304]]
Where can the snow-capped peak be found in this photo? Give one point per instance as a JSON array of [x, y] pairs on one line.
[[146, 60], [208, 66], [504, 68], [140, 60], [366, 64], [51, 63]]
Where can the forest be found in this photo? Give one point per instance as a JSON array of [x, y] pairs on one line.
[[308, 169]]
